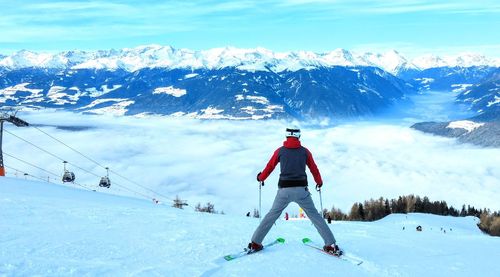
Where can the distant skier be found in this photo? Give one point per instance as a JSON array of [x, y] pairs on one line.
[[293, 158]]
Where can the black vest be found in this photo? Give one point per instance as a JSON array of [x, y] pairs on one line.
[[293, 167]]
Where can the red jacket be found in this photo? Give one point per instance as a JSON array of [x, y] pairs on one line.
[[291, 143]]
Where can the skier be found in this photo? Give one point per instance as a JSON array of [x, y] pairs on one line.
[[293, 158]]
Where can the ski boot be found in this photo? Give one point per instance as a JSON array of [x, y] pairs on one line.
[[254, 247], [333, 249]]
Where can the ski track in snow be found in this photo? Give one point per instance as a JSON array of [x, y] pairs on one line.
[[51, 230]]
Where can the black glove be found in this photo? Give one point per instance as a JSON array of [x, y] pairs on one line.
[[261, 182], [318, 186]]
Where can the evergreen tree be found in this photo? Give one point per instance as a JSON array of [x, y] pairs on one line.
[[426, 205], [361, 211], [387, 207], [463, 212], [357, 212]]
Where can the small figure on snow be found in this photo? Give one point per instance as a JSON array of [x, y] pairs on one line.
[[419, 228], [248, 214], [286, 216], [293, 159]]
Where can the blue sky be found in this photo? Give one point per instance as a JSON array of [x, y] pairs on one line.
[[410, 26]]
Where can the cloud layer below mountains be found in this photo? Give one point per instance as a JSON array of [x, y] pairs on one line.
[[217, 161]]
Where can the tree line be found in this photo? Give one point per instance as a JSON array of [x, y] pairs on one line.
[[375, 209]]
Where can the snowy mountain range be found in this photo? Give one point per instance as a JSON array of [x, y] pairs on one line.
[[228, 82], [258, 59]]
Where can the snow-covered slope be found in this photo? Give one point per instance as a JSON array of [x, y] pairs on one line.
[[258, 59], [51, 230]]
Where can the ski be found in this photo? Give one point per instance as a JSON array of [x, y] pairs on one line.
[[247, 251], [342, 256]]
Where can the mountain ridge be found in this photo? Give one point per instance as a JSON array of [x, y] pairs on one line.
[[253, 59]]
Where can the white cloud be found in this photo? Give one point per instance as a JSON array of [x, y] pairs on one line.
[[217, 161]]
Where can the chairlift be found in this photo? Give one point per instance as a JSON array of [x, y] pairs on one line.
[[105, 182], [68, 176]]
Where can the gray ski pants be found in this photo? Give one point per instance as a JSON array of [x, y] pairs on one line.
[[301, 196]]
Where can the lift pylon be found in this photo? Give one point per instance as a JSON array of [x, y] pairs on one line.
[[4, 117]]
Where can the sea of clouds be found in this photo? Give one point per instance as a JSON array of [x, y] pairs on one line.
[[216, 161]]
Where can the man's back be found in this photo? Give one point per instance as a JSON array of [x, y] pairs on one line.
[[293, 163]]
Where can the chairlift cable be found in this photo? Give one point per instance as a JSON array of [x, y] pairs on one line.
[[35, 166], [27, 174], [54, 138], [53, 155], [137, 184], [83, 186], [97, 163], [89, 172], [59, 158]]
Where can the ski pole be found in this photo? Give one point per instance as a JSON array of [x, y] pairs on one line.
[[320, 201], [261, 183]]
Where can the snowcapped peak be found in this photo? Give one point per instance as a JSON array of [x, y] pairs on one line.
[[390, 61], [263, 50], [341, 57], [470, 59], [26, 58], [466, 59], [428, 61]]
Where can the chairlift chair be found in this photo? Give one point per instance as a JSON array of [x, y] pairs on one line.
[[68, 176], [105, 182]]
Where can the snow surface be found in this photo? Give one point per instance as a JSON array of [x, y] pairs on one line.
[[458, 88], [9, 92], [170, 90], [119, 108], [55, 230], [496, 101], [464, 124], [100, 101]]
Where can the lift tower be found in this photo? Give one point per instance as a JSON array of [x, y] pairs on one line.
[[4, 117]]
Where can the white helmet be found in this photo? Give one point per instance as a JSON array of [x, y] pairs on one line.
[[293, 132]]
